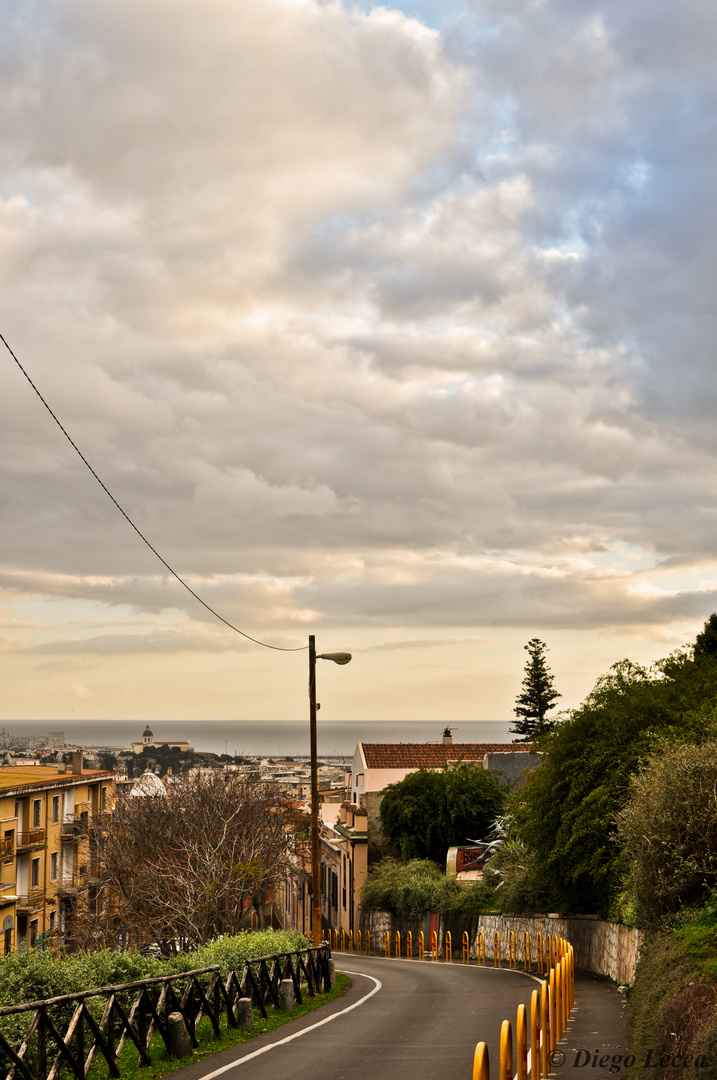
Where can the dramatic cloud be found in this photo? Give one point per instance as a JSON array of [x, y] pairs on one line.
[[394, 323]]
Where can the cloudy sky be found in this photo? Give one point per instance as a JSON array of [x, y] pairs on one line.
[[392, 324]]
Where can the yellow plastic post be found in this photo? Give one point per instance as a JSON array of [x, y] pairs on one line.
[[387, 943], [527, 952], [480, 946], [343, 940], [351, 941], [448, 947], [545, 1027], [548, 952], [466, 948], [434, 945], [521, 1044], [558, 1000], [505, 1067], [534, 1035], [409, 945], [481, 1063], [511, 949], [421, 946], [358, 942], [551, 1001], [368, 942], [398, 944], [539, 950], [496, 949]]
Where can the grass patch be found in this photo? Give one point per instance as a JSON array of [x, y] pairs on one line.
[[162, 1064]]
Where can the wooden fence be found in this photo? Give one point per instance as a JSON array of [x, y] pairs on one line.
[[100, 1022]]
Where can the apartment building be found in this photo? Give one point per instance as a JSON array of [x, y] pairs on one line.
[[45, 813]]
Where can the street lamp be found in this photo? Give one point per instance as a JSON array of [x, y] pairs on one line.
[[338, 658]]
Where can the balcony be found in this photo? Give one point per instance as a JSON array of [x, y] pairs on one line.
[[7, 847], [76, 824], [30, 902], [30, 841]]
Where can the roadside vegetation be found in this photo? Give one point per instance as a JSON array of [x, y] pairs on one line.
[[619, 820]]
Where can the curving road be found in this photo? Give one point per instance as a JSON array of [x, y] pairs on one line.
[[401, 1020]]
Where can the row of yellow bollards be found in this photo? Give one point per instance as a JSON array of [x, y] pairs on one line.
[[549, 1012], [546, 951]]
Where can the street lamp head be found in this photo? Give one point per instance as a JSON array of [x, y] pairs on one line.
[[337, 657]]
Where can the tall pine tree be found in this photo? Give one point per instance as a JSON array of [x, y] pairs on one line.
[[538, 695]]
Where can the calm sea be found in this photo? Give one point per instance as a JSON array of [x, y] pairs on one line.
[[266, 737]]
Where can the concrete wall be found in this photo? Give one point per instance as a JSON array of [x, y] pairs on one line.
[[601, 947]]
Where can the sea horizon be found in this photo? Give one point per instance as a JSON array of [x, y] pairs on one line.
[[261, 737]]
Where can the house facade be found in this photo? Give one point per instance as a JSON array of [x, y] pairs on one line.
[[45, 814]]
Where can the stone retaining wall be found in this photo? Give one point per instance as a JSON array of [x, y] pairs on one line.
[[601, 947]]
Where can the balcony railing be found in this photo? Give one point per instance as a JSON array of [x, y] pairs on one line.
[[31, 901], [35, 838], [7, 847]]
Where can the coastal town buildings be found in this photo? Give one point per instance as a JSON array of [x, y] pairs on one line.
[[45, 814]]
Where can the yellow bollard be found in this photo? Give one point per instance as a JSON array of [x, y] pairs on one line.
[[481, 1063], [387, 944], [539, 950], [421, 946], [544, 1026], [409, 945], [548, 952], [358, 942], [512, 961], [448, 947], [434, 945], [351, 941], [521, 1044], [527, 952], [505, 1066], [496, 948], [368, 942], [558, 1001], [551, 1000], [398, 944], [480, 946], [466, 948], [534, 1035], [566, 993], [343, 940]]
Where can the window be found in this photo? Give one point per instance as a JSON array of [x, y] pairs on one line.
[[36, 813], [34, 927], [343, 885], [55, 808], [35, 874], [9, 845], [104, 798], [54, 864], [53, 922]]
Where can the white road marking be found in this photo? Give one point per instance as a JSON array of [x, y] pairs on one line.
[[304, 1031]]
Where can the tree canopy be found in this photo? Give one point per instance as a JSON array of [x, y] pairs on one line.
[[427, 812], [538, 695], [185, 865], [566, 813]]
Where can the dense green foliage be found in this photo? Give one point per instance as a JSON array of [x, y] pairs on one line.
[[566, 813], [406, 889], [668, 831], [538, 695], [35, 974], [427, 812]]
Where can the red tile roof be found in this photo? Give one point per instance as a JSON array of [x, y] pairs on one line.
[[432, 755]]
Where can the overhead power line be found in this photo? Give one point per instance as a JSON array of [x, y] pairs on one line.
[[140, 534]]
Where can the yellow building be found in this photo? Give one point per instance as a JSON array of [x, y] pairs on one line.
[[45, 813]]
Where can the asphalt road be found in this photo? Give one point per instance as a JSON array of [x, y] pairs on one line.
[[401, 1020]]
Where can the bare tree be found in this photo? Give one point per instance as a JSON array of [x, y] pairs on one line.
[[185, 866]]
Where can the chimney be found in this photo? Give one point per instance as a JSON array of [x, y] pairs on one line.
[[77, 763], [447, 737]]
